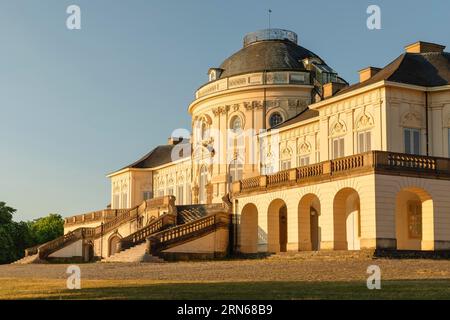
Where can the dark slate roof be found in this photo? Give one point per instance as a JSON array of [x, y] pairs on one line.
[[430, 69], [274, 55], [157, 157], [302, 116]]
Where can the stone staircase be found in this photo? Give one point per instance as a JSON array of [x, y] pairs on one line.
[[190, 213], [29, 260], [133, 254]]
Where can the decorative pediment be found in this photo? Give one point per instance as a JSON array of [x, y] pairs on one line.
[[304, 147], [338, 128], [365, 121], [412, 119]]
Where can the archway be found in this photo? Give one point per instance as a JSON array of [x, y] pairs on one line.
[[277, 226], [113, 243], [308, 223], [249, 229], [414, 220], [347, 220], [88, 252]]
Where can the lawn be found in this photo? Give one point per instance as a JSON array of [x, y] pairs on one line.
[[13, 288]]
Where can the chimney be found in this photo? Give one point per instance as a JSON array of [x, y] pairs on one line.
[[367, 73], [331, 88], [424, 47]]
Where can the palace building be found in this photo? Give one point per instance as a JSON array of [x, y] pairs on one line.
[[285, 155]]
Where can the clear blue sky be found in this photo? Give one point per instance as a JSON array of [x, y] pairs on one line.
[[76, 105]]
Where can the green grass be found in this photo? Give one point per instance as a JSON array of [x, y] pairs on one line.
[[135, 289]]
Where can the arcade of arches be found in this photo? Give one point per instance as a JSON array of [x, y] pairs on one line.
[[346, 219]]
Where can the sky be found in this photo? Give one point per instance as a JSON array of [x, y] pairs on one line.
[[76, 105]]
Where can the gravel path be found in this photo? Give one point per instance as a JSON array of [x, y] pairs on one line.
[[242, 270]]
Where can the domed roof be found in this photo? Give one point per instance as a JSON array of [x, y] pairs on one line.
[[270, 50]]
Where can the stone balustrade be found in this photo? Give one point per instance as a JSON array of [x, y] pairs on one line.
[[253, 79], [379, 162]]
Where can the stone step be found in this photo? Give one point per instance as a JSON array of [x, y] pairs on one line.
[[134, 254]]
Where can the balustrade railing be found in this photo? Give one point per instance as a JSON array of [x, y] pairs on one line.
[[380, 161]]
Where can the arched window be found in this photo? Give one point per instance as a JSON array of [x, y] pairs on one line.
[[236, 124], [202, 184], [236, 169], [204, 132], [275, 119]]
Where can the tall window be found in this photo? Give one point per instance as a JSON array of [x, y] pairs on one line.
[[170, 191], [188, 194], [116, 201], [146, 195], [202, 184], [364, 141], [412, 140], [161, 193], [415, 219], [338, 147], [180, 194], [267, 169], [303, 160], [275, 119], [236, 169], [204, 131], [124, 200], [285, 165]]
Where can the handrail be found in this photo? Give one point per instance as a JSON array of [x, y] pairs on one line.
[[81, 233], [162, 240], [142, 234]]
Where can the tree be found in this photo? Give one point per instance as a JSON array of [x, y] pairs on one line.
[[47, 228], [6, 213], [15, 237]]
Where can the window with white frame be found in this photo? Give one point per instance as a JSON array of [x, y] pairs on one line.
[[116, 201], [146, 195], [180, 194], [364, 141], [285, 165], [303, 160], [188, 194], [317, 150], [124, 200], [267, 169], [170, 191], [275, 119], [338, 147], [236, 169], [161, 193], [411, 140]]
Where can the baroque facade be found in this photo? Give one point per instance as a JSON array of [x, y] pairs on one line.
[[284, 155]]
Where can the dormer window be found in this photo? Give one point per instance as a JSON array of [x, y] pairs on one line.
[[214, 74]]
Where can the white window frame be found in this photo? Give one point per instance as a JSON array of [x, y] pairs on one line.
[[413, 148], [341, 147], [303, 160], [364, 145], [285, 164]]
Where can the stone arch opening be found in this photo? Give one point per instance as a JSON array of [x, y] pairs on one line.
[[414, 220], [308, 223], [249, 229], [277, 226], [347, 220], [113, 244]]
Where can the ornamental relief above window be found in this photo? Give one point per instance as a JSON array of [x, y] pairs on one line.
[[338, 128], [365, 121], [304, 147], [411, 119]]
